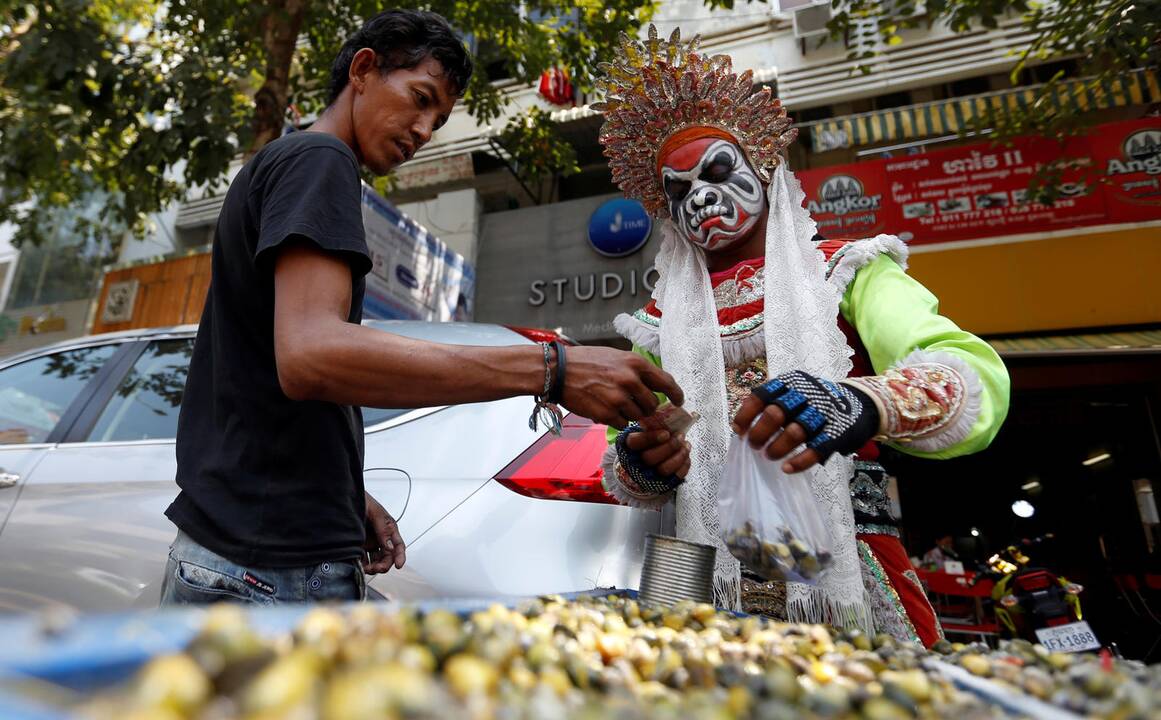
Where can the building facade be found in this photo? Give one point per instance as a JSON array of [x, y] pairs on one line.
[[1065, 292]]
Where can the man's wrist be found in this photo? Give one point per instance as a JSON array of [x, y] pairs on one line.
[[537, 378]]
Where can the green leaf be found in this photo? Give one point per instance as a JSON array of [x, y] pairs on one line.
[[100, 73]]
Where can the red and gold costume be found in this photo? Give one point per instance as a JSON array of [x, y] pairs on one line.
[[699, 146]]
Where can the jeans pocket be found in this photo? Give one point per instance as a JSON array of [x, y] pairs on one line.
[[336, 581], [195, 584]]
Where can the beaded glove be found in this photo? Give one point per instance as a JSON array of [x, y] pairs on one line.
[[632, 480], [836, 418]]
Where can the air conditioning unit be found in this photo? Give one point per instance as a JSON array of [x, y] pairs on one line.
[[783, 7], [811, 21]]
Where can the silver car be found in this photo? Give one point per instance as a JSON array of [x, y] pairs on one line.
[[487, 507]]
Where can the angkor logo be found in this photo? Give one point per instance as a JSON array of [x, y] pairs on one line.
[[842, 194], [1142, 153]]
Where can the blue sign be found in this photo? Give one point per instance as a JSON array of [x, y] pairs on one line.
[[619, 227]]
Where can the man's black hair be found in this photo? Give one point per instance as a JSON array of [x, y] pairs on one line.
[[402, 39]]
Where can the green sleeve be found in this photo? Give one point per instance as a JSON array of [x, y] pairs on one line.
[[894, 315], [611, 432]]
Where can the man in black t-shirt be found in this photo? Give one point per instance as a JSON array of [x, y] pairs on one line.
[[270, 438]]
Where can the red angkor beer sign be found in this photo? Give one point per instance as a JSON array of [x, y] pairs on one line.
[[981, 190], [1131, 160], [845, 202]]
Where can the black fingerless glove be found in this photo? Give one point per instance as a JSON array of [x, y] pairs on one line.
[[836, 417]]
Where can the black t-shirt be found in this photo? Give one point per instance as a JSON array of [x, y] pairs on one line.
[[265, 480]]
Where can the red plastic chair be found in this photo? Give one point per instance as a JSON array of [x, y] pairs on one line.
[[968, 616]]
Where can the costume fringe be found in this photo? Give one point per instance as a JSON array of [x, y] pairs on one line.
[[859, 253], [736, 349], [816, 608], [752, 345], [961, 427], [745, 348], [728, 593], [638, 333], [613, 485]]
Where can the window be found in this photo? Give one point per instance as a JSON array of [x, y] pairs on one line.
[[35, 394], [145, 405], [892, 100], [969, 86], [1047, 71], [374, 416]]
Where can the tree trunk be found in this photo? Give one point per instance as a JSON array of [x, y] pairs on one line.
[[279, 28]]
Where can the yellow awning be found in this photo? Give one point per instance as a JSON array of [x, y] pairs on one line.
[[1136, 341], [946, 117]]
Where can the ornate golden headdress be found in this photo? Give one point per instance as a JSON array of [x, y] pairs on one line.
[[654, 89]]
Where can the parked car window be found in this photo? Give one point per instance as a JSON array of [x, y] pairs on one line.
[[35, 394], [374, 416], [146, 403]]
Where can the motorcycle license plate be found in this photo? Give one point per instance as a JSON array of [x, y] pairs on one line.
[[1073, 637]]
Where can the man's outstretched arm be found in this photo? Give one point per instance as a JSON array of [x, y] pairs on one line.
[[321, 356]]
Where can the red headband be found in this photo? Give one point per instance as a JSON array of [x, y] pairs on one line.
[[688, 135]]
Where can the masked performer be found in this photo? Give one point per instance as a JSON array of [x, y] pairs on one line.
[[826, 344]]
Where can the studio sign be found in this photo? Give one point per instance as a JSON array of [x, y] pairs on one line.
[[617, 228], [586, 287]]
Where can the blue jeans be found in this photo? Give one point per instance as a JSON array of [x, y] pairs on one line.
[[197, 576]]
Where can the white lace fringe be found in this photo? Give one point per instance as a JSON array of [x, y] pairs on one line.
[[812, 607], [956, 431], [728, 592]]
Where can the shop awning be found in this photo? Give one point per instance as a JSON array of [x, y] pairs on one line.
[[1137, 341], [947, 117]]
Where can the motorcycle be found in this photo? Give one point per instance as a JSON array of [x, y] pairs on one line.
[[1036, 604]]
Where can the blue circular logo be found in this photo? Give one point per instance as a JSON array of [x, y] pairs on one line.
[[619, 227]]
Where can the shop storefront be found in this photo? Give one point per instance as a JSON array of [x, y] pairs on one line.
[[572, 265], [1076, 465], [1067, 294]]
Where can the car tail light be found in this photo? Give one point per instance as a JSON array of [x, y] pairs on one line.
[[1074, 589], [562, 467], [540, 334]]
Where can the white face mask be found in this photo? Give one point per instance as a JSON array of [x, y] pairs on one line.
[[716, 203]]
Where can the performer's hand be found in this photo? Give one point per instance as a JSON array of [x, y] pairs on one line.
[[828, 417], [384, 542], [613, 387], [666, 453]]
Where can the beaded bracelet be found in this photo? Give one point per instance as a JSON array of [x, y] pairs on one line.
[[545, 410]]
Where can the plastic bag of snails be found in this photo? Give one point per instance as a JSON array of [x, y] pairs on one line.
[[769, 519]]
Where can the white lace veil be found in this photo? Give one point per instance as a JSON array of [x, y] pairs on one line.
[[801, 332]]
